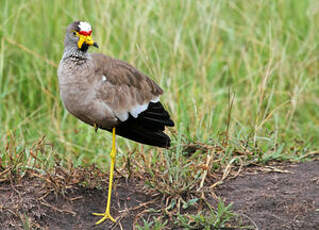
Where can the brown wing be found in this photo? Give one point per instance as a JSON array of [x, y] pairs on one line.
[[134, 100], [125, 88]]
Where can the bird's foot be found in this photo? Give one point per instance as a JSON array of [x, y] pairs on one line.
[[105, 215]]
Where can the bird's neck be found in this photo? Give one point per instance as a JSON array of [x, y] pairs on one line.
[[74, 54]]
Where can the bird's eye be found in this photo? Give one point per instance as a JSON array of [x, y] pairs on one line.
[[74, 33]]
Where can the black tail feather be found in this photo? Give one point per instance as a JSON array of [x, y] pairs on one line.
[[148, 127], [144, 136], [156, 113]]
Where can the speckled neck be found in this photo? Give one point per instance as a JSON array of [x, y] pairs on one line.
[[73, 54]]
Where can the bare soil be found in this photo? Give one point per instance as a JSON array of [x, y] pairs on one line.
[[277, 200], [288, 199]]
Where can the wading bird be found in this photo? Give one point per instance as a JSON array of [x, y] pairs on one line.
[[110, 94]]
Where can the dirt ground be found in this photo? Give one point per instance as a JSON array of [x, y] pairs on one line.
[[288, 199], [277, 200]]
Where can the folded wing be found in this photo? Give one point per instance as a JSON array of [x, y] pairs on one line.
[[133, 98]]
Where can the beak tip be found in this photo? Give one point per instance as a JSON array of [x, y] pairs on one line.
[[95, 45]]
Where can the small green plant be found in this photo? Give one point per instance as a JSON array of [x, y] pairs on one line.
[[214, 219], [155, 224]]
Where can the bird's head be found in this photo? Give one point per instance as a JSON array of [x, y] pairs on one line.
[[78, 34]]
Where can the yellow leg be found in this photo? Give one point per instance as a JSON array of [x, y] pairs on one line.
[[106, 214]]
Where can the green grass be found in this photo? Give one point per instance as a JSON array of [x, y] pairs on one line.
[[212, 220], [262, 52], [239, 77]]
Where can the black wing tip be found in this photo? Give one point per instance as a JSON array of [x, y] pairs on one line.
[[143, 136], [170, 123], [148, 128], [166, 143], [157, 113]]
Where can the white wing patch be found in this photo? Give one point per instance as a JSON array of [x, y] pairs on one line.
[[156, 99], [122, 116], [103, 78], [85, 26], [136, 110]]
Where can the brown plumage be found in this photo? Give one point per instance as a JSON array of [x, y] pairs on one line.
[[105, 93]]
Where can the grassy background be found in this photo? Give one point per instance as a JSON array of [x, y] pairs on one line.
[[244, 71]]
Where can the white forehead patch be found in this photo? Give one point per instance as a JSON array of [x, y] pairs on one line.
[[85, 26]]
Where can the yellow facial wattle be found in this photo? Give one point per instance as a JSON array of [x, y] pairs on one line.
[[85, 39]]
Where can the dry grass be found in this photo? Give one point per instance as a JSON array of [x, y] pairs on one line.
[[240, 81]]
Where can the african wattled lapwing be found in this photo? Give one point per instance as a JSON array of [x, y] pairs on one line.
[[110, 94]]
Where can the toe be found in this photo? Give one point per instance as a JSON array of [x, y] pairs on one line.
[[98, 214], [105, 216], [101, 220]]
